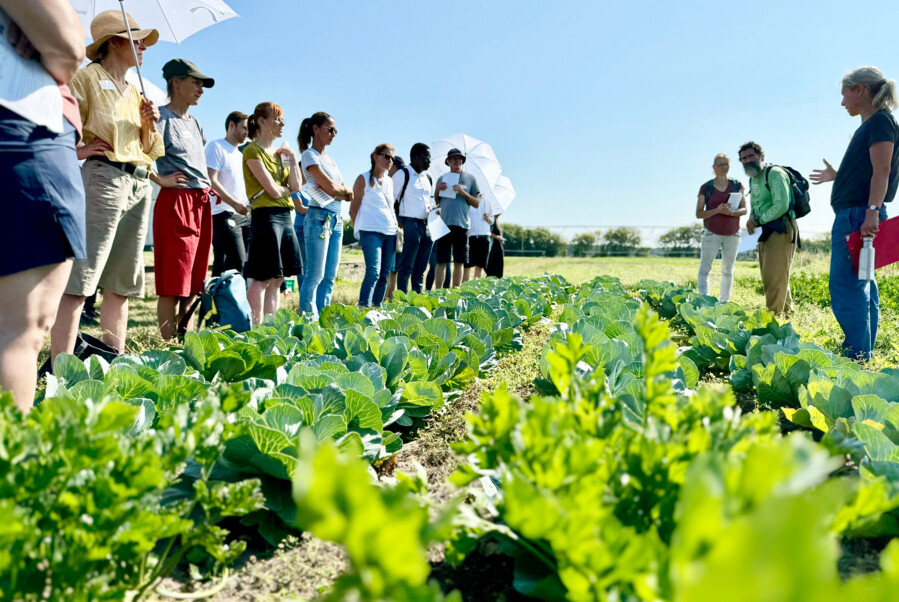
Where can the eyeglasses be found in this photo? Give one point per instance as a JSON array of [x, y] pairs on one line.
[[279, 120], [332, 130], [388, 157]]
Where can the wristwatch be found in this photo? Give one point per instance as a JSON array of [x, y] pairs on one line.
[[873, 208]]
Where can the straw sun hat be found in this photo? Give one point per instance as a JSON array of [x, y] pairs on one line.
[[109, 24]]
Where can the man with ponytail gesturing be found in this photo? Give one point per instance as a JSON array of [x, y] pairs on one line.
[[865, 181], [323, 226]]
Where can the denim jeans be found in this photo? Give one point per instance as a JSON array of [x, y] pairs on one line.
[[299, 232], [414, 258], [378, 250], [855, 303], [728, 245], [323, 231]]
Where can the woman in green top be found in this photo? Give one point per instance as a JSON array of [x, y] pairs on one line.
[[272, 178]]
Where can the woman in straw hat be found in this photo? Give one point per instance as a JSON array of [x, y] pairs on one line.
[[120, 145], [43, 200]]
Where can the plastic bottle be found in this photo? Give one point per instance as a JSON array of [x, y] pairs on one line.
[[866, 260], [285, 162]]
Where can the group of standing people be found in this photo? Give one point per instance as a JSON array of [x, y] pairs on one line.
[[98, 215], [866, 180]]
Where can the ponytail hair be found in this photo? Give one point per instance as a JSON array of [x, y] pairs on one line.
[[883, 91], [304, 138], [378, 150], [264, 110]]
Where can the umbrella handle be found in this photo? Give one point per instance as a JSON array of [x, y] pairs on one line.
[[133, 51]]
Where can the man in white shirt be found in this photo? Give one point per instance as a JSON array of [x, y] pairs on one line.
[[414, 194], [224, 162], [478, 241]]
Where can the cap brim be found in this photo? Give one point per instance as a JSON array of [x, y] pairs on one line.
[[149, 36]]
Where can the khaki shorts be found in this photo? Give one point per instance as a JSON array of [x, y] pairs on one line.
[[118, 212]]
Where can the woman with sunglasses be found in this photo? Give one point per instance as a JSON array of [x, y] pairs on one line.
[[323, 226], [272, 179], [375, 225]]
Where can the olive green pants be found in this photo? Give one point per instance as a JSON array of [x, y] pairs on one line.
[[775, 261]]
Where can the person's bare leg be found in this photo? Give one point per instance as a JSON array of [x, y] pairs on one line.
[[458, 272], [391, 285], [184, 304], [478, 271], [166, 313], [256, 297], [114, 320], [273, 296], [65, 329], [466, 275], [439, 275], [30, 301]]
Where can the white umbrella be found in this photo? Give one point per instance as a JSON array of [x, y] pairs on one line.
[[176, 20], [481, 162]]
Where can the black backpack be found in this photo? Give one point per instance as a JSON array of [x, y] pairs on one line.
[[396, 203], [800, 201]]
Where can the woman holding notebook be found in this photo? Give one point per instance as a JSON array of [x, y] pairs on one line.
[[720, 204]]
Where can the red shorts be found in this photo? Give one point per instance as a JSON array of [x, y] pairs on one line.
[[182, 239]]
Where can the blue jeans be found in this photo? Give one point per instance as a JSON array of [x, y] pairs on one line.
[[855, 303], [414, 258], [323, 231], [299, 233], [378, 250]]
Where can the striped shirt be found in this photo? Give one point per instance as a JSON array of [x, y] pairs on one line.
[[318, 197]]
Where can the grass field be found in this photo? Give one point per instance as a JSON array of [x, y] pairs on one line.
[[814, 322]]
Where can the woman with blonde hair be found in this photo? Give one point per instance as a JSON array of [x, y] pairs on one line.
[[722, 226], [865, 181], [375, 225], [272, 179]]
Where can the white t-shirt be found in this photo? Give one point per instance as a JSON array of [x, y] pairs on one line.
[[479, 227], [318, 197], [228, 161], [419, 197], [376, 209]]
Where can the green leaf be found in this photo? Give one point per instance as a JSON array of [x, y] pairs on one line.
[[329, 427], [394, 356], [871, 408], [423, 393], [877, 445], [70, 369]]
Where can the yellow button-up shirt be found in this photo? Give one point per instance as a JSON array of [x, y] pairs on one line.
[[112, 115]]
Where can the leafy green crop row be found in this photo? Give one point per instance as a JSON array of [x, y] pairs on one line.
[[857, 410], [627, 484], [125, 468]]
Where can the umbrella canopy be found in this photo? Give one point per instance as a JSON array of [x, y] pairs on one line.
[[481, 162], [176, 20]]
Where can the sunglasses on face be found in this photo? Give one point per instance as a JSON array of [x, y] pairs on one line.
[[332, 130], [388, 157]]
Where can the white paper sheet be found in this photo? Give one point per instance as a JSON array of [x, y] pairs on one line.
[[734, 200], [450, 179], [436, 226], [25, 86], [749, 242]]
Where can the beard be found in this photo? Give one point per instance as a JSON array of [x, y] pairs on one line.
[[752, 168]]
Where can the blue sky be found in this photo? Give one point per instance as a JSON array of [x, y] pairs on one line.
[[601, 113]]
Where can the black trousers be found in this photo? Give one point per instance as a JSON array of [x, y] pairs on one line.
[[228, 245]]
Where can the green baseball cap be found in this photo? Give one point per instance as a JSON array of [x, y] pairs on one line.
[[183, 68]]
